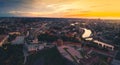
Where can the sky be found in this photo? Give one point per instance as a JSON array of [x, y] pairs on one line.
[[60, 8]]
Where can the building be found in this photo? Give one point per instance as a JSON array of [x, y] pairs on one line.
[[18, 40], [116, 60], [34, 47], [70, 53], [17, 33]]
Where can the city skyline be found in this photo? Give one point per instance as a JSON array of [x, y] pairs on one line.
[[60, 8]]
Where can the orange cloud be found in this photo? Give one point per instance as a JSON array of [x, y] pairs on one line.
[[70, 8]]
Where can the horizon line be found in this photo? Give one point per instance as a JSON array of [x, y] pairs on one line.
[[102, 18]]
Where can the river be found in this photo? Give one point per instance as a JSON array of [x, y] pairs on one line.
[[87, 33], [87, 36]]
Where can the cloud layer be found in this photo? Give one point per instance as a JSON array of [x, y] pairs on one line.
[[60, 8]]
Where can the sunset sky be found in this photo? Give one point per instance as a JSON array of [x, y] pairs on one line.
[[60, 8]]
